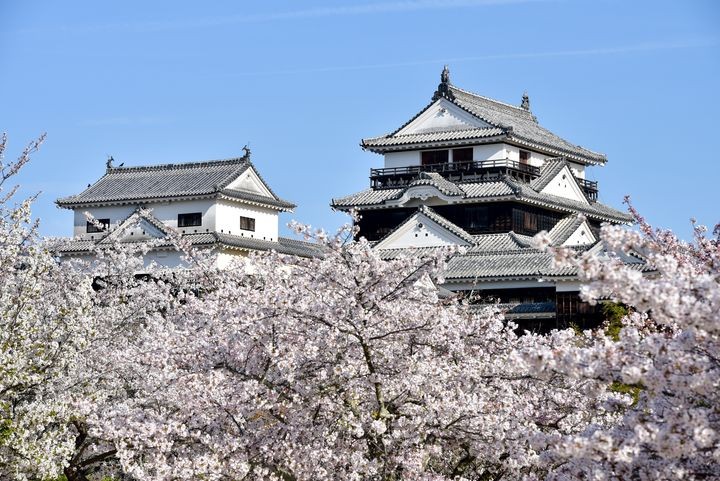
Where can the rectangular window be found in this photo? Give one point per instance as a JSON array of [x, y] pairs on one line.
[[190, 220], [524, 157], [432, 157], [463, 155], [247, 223], [93, 228]]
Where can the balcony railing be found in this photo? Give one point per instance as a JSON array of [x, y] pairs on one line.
[[590, 187], [468, 171]]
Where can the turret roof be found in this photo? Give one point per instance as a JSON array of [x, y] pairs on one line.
[[514, 124], [172, 182], [505, 189]]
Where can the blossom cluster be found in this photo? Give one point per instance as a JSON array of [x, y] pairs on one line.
[[347, 366]]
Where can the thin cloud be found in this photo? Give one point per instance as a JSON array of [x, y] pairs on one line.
[[126, 121], [623, 49], [375, 8]]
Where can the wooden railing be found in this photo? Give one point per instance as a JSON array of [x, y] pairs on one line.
[[478, 171], [455, 167], [590, 187]]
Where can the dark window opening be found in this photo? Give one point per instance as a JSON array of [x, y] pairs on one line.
[[190, 220], [463, 155], [524, 157], [431, 157], [91, 227], [247, 223]]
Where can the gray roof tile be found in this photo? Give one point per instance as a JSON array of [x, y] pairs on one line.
[[438, 181], [507, 121], [521, 125], [168, 181], [391, 140], [283, 245], [565, 228], [505, 189]]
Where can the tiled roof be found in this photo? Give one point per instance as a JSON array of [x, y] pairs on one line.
[[477, 190], [438, 181], [368, 197], [505, 189], [514, 124], [565, 228], [511, 264], [260, 199], [168, 181], [505, 256], [550, 169], [391, 140], [594, 209], [505, 242], [521, 125], [283, 245], [458, 231]]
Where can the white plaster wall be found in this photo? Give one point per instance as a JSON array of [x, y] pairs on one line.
[[420, 232], [582, 236], [164, 258], [578, 170], [228, 220], [442, 115], [568, 286], [166, 212], [563, 185], [227, 257], [512, 152], [116, 214], [402, 159], [488, 152]]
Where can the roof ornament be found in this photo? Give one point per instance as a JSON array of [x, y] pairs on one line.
[[246, 149], [525, 105], [108, 164], [443, 89]]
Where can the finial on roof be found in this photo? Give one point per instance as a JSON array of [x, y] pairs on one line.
[[246, 149], [525, 101], [443, 89], [109, 162]]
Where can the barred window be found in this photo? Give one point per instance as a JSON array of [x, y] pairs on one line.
[[190, 220], [247, 223], [91, 227]]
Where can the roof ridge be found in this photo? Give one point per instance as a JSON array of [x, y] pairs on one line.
[[180, 165], [505, 104], [441, 132]]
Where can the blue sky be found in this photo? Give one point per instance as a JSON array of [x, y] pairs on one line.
[[303, 82]]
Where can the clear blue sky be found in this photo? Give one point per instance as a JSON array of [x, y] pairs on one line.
[[303, 82]]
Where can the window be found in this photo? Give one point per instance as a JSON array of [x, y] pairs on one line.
[[93, 228], [247, 223], [190, 220], [524, 157], [463, 155], [431, 157]]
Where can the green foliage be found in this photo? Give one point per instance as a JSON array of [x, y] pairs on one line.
[[614, 314], [631, 389]]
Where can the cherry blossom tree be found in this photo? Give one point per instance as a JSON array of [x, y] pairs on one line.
[[668, 351], [340, 367], [346, 366], [42, 330]]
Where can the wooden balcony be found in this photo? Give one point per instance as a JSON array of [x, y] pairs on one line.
[[469, 171], [590, 187]]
